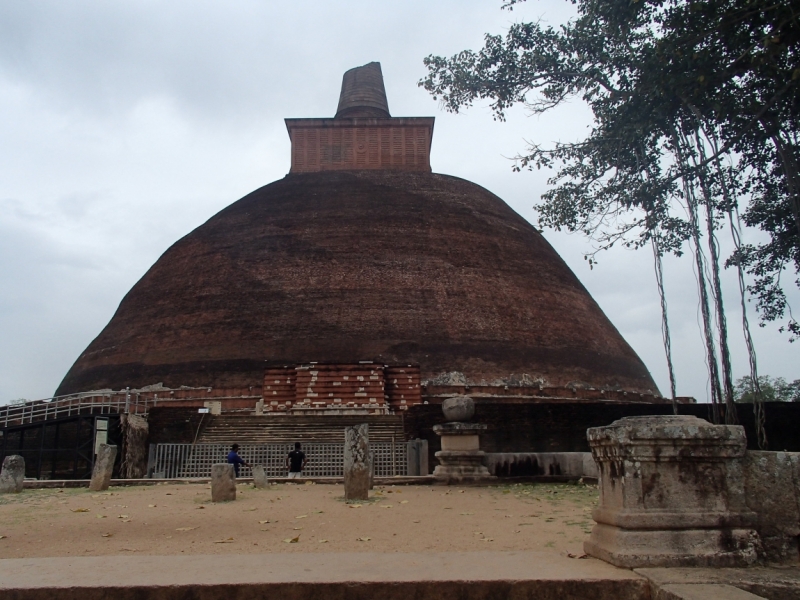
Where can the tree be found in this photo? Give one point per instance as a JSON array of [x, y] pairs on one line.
[[773, 389], [694, 108], [657, 74]]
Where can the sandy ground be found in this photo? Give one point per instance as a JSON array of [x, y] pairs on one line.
[[180, 518]]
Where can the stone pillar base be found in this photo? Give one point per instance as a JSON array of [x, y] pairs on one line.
[[461, 466], [460, 459], [672, 548], [671, 494]]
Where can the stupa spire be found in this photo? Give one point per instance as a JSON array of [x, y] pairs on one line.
[[362, 135], [363, 93]]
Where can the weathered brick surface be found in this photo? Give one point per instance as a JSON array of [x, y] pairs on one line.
[[363, 135], [363, 93], [403, 387], [348, 385], [402, 144], [340, 267], [365, 385]]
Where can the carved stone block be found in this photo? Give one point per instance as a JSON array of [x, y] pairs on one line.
[[671, 494], [460, 459]]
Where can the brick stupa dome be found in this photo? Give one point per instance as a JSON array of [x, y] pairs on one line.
[[361, 254]]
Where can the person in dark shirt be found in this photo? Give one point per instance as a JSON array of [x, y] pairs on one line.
[[235, 459], [296, 461]]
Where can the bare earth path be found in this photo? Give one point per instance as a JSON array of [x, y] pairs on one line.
[[180, 519]]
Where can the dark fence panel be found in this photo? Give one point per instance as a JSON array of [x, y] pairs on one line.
[[58, 449], [561, 426]]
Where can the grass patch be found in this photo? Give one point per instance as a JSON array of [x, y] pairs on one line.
[[41, 495]]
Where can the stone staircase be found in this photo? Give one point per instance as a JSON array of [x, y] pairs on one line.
[[273, 429]]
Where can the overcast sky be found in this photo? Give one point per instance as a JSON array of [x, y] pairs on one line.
[[123, 126]]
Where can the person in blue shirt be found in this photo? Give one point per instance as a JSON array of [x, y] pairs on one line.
[[235, 459]]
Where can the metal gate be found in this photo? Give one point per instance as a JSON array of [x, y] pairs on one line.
[[176, 461]]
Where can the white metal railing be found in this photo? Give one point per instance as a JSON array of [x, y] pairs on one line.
[[61, 406], [123, 401], [177, 461]]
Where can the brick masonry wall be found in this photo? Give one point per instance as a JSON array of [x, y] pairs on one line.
[[402, 387], [356, 144], [340, 386], [344, 386]]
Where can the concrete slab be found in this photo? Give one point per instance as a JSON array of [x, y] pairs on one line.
[[345, 576], [702, 591], [774, 583]]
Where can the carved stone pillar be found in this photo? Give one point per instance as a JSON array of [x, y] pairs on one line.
[[357, 462]]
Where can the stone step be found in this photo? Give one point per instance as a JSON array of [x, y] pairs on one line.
[[306, 576], [249, 429], [702, 591], [688, 583]]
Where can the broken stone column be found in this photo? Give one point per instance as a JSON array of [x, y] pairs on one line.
[[260, 480], [357, 463], [671, 494], [134, 460], [12, 475], [460, 459], [424, 469], [103, 467], [417, 457], [223, 482]]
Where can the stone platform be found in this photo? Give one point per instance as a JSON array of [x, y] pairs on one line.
[[776, 583], [351, 576], [357, 576]]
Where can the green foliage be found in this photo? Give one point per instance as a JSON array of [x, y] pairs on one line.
[[693, 103], [772, 389]]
